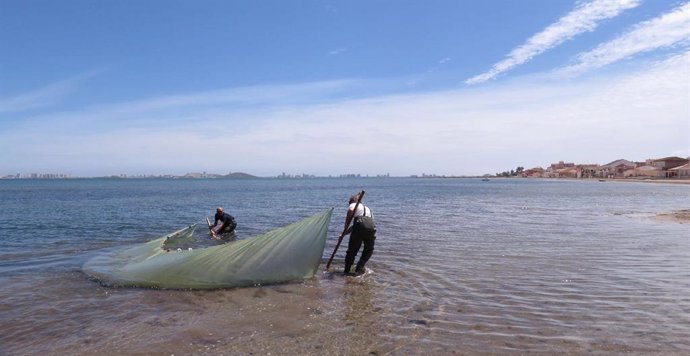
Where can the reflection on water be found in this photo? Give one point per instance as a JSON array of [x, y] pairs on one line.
[[460, 266]]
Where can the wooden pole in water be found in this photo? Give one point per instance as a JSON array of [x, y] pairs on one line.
[[210, 229], [347, 224]]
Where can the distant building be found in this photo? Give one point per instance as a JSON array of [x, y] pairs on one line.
[[668, 164], [644, 171], [680, 171], [668, 167], [615, 169], [587, 170], [561, 165], [570, 172], [559, 170], [536, 172]]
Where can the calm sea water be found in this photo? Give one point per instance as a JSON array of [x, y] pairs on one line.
[[461, 266]]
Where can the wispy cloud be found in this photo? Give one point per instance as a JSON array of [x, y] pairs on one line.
[[670, 29], [245, 96], [469, 131], [338, 51], [47, 95], [227, 107], [38, 98], [584, 18]]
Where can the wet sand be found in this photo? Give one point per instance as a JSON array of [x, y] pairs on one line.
[[680, 216], [329, 314], [658, 180]]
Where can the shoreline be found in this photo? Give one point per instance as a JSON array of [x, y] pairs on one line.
[[601, 180], [680, 216], [627, 180], [633, 180]]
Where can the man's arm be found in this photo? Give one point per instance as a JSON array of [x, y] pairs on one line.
[[348, 219]]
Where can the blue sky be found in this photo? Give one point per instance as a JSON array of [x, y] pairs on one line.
[[333, 87]]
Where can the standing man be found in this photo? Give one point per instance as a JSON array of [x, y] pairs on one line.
[[227, 223], [363, 231]]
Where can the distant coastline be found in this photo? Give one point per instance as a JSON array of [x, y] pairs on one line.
[[663, 170], [240, 175]]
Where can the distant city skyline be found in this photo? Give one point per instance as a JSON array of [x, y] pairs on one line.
[[327, 88], [285, 175]]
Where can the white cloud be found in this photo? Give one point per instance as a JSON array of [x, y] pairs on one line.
[[584, 18], [338, 51], [38, 98], [255, 95], [47, 95], [228, 107], [472, 131], [664, 31]]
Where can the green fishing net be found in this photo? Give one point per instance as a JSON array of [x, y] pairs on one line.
[[288, 253]]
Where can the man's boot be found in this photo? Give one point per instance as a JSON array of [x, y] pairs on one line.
[[359, 270]]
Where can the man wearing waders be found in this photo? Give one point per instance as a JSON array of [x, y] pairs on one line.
[[363, 231], [227, 224]]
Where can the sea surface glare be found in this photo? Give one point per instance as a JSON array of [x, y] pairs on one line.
[[508, 266]]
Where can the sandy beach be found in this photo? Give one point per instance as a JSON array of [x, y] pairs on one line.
[[636, 180], [680, 216]]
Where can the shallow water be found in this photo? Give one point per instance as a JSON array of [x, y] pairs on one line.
[[460, 266]]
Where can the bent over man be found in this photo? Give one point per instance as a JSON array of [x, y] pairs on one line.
[[363, 231], [227, 223]]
